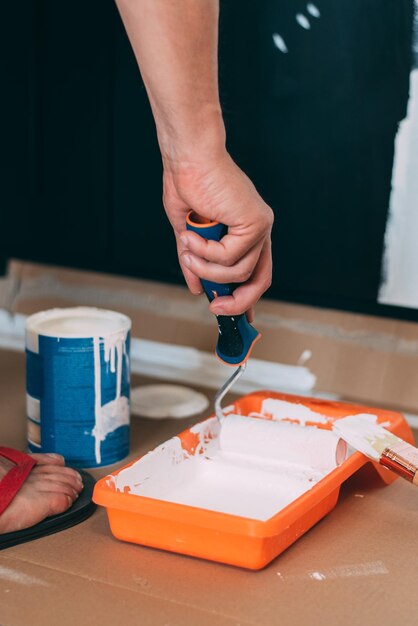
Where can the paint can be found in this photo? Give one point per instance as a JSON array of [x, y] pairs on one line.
[[78, 384]]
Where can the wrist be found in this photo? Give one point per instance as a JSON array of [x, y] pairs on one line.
[[196, 139]]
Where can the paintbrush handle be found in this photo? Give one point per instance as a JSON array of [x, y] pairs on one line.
[[405, 464], [236, 335]]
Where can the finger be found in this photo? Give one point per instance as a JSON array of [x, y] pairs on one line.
[[247, 295], [48, 458], [226, 252], [192, 280], [250, 315], [238, 273]]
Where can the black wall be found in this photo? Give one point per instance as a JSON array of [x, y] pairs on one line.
[[314, 128]]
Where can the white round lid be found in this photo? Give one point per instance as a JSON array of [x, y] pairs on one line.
[[162, 401]]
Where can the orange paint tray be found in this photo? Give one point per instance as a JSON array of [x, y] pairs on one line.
[[240, 541]]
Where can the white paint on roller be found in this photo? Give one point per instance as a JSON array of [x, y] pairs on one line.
[[282, 410], [230, 471], [281, 442]]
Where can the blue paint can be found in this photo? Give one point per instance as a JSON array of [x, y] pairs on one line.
[[78, 384]]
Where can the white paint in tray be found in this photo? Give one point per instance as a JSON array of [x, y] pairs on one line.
[[232, 471]]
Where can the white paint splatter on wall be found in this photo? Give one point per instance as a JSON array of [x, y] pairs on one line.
[[313, 10], [279, 42], [303, 21]]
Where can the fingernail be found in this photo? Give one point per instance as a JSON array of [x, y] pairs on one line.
[[54, 456], [186, 260], [80, 480], [184, 240]]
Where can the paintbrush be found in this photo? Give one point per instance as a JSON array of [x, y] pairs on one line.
[[376, 442], [236, 336]]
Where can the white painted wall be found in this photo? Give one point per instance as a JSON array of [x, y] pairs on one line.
[[400, 263]]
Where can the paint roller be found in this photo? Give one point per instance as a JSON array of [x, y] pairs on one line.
[[254, 437], [277, 441], [236, 336]]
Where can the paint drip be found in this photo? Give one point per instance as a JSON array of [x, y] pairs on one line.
[[116, 411]]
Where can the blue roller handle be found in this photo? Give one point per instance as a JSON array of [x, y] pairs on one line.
[[236, 335]]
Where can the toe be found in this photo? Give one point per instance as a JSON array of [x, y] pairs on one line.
[[58, 502], [49, 459], [56, 486], [70, 486], [65, 474]]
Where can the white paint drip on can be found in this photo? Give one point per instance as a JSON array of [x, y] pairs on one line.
[[106, 415], [97, 398]]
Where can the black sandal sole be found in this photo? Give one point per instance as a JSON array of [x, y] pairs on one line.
[[82, 508]]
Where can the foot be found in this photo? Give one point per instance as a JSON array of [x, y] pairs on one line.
[[50, 489]]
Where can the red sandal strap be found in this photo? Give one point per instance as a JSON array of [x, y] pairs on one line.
[[15, 477]]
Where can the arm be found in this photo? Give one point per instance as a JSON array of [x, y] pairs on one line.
[[175, 43]]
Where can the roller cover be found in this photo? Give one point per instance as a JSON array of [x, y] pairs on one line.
[[271, 441]]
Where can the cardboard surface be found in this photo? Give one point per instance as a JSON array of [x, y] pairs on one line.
[[362, 358], [357, 566]]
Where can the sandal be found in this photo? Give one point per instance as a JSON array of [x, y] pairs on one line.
[[10, 484]]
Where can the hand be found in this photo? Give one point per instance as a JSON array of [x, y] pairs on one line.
[[220, 191]]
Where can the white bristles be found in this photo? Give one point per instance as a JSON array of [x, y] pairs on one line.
[[363, 433]]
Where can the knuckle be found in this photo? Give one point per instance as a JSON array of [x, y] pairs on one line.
[[268, 218], [266, 283], [228, 260], [242, 276]]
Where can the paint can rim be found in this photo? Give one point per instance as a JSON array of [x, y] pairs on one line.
[[37, 322]]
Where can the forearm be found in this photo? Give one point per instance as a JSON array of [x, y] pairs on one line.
[[175, 44]]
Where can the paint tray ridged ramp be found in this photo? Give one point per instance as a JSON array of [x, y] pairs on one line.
[[240, 499]]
